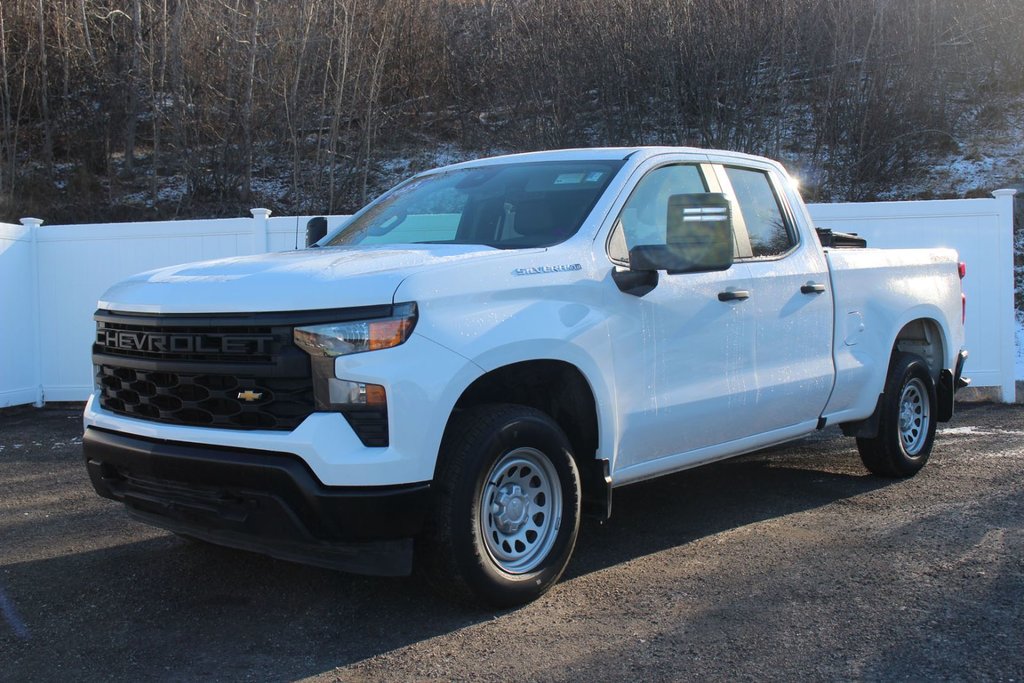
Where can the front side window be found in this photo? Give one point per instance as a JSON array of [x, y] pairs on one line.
[[644, 217], [508, 206], [766, 227]]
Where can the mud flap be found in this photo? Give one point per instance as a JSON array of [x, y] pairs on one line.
[[949, 384], [867, 428]]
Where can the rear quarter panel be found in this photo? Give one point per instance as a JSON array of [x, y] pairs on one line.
[[878, 292]]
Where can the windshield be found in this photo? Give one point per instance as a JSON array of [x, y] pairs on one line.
[[508, 206]]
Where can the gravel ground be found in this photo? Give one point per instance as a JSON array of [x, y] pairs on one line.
[[787, 564]]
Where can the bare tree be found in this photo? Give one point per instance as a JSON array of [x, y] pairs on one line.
[[134, 85], [329, 90]]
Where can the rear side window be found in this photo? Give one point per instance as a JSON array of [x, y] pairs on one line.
[[769, 233]]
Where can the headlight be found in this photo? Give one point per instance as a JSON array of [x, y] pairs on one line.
[[364, 405], [341, 339]]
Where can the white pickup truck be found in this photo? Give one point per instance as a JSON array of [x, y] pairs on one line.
[[486, 351]]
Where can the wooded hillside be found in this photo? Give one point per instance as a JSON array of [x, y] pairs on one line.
[[113, 109]]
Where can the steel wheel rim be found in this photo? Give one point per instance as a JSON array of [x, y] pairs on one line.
[[914, 417], [520, 510]]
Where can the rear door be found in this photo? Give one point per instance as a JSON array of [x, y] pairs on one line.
[[790, 302]]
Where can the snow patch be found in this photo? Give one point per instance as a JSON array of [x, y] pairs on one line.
[[271, 188], [957, 431], [989, 155], [974, 431]]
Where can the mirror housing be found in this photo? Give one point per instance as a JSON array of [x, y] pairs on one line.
[[637, 283], [316, 228], [699, 237]]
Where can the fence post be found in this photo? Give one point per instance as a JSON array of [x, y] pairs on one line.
[[1007, 319], [33, 291], [260, 238]]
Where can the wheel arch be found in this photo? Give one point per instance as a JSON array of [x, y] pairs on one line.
[[926, 338], [562, 391]]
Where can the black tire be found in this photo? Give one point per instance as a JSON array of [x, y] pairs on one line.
[[501, 535], [906, 427]]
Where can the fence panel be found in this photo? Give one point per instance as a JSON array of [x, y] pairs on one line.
[[52, 276], [981, 230], [77, 263], [19, 362]]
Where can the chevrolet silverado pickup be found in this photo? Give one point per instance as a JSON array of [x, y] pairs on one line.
[[485, 352]]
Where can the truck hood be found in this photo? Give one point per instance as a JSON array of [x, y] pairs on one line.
[[334, 277]]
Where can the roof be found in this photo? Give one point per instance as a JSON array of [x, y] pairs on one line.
[[599, 153]]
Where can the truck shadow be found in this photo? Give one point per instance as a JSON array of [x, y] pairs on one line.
[[677, 509], [169, 609]]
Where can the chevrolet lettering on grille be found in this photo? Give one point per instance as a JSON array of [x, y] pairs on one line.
[[184, 343]]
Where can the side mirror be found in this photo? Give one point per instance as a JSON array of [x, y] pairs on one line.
[[698, 237], [316, 228]]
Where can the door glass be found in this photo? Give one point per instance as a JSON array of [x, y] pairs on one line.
[[645, 214], [766, 227]]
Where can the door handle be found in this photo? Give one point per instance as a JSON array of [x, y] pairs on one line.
[[734, 295], [812, 288]]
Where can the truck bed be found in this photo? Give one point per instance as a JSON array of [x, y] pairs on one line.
[[877, 292]]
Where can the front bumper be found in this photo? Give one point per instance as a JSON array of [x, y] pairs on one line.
[[263, 501]]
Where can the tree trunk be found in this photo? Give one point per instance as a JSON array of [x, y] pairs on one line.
[[44, 94], [134, 84], [248, 104]]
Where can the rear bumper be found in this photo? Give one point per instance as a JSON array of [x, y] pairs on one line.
[[959, 381], [267, 502]]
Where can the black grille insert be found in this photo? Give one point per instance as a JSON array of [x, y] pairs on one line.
[[225, 401]]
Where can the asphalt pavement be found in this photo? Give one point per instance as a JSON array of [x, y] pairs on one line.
[[788, 564]]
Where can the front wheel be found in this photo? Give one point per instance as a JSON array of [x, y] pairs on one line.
[[506, 510], [906, 428]]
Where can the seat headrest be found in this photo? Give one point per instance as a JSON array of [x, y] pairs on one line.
[[535, 217]]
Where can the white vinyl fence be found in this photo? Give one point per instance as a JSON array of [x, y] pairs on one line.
[[52, 276], [982, 231]]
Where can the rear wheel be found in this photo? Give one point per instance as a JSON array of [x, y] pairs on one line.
[[507, 507], [906, 428]]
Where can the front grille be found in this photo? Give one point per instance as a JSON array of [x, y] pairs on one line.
[[223, 371], [206, 400], [227, 371]]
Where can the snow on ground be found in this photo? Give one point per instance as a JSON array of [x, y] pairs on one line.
[[271, 188], [989, 156], [975, 431]]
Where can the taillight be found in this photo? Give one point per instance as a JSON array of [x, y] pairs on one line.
[[962, 269]]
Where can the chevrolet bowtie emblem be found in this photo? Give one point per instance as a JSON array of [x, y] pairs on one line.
[[250, 395]]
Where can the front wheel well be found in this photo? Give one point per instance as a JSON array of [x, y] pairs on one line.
[[560, 390]]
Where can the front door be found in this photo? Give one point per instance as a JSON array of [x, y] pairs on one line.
[[685, 377]]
